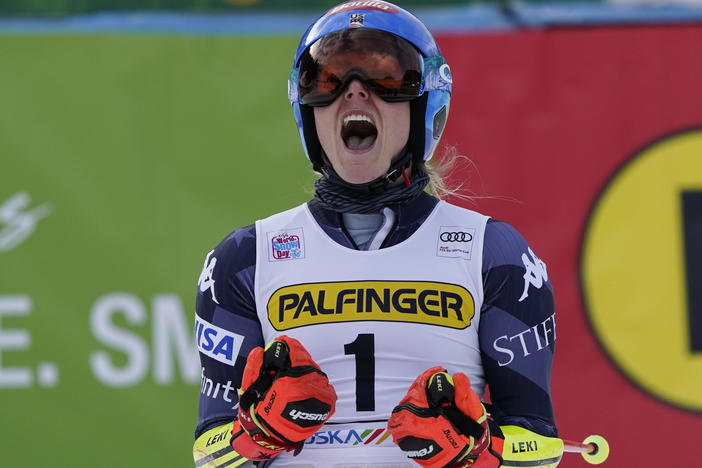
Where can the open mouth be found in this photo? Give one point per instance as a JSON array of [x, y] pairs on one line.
[[358, 132]]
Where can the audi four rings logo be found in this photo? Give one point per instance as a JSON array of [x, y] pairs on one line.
[[458, 236]]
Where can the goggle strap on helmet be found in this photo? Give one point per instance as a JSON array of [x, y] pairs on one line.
[[309, 130], [417, 134]]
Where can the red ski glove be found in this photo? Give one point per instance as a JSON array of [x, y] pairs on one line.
[[284, 399], [442, 423]]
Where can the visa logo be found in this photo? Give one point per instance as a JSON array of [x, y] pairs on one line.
[[217, 343]]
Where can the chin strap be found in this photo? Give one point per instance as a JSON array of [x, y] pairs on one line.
[[397, 168]]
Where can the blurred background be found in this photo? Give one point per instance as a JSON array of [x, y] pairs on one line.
[[136, 134]]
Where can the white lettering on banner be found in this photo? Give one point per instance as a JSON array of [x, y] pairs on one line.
[[170, 335], [529, 340], [206, 281], [19, 225], [47, 374], [107, 333], [14, 377], [19, 340], [173, 344], [535, 273], [217, 343]]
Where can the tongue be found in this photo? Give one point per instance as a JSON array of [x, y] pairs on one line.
[[360, 143]]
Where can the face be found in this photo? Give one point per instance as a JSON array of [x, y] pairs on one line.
[[361, 133]]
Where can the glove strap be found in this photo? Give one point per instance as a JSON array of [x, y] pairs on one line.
[[257, 390], [490, 458], [464, 424], [256, 445]]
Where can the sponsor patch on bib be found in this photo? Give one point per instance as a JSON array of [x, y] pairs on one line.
[[455, 241], [425, 302], [286, 245]]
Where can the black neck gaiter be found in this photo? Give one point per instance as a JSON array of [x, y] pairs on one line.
[[343, 197]]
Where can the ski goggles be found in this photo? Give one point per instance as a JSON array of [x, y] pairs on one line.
[[388, 65]]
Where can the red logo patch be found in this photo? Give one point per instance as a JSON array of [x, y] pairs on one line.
[[362, 5]]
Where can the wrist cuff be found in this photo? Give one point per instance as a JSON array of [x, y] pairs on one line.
[[257, 446]]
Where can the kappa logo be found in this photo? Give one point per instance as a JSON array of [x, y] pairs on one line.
[[426, 302], [535, 274], [286, 245], [455, 242], [206, 281]]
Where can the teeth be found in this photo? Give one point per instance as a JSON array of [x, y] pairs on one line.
[[357, 118]]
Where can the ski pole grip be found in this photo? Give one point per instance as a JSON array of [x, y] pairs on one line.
[[440, 390], [276, 357]]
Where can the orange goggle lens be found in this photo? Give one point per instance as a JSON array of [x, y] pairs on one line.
[[387, 65]]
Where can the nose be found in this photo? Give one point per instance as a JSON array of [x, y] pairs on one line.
[[355, 90]]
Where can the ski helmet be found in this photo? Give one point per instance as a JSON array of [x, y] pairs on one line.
[[428, 110]]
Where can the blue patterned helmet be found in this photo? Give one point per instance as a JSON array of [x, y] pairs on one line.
[[429, 108]]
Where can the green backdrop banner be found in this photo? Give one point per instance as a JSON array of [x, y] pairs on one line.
[[123, 161]]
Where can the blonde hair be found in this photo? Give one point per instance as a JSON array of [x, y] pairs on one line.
[[439, 169]]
